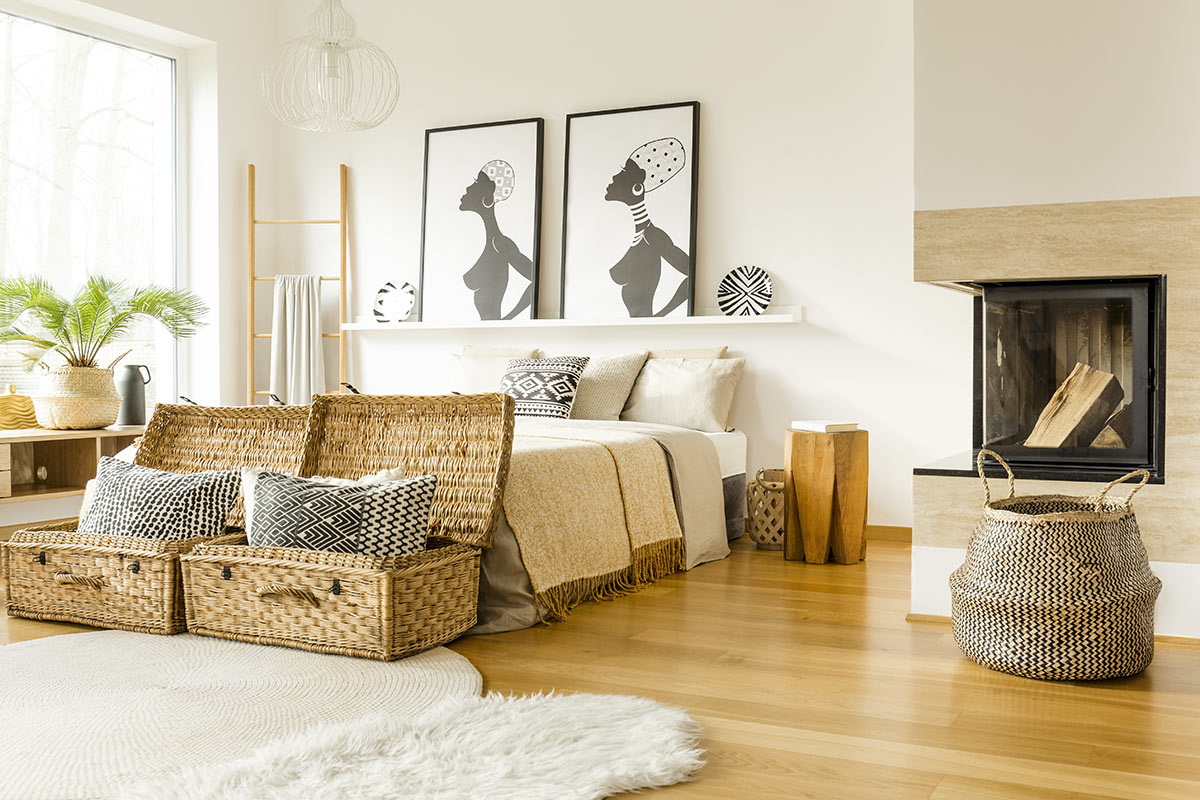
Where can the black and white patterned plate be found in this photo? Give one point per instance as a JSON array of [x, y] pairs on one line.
[[394, 303], [744, 292]]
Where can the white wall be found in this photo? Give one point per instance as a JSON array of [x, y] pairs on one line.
[[1055, 101], [805, 169]]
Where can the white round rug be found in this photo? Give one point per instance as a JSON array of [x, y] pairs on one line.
[[86, 715]]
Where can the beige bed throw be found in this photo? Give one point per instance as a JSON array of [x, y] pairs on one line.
[[593, 513]]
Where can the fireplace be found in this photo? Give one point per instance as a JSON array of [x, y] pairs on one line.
[[1068, 375]]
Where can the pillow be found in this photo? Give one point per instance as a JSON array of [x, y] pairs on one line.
[[479, 369], [89, 490], [250, 478], [544, 387], [685, 392], [695, 352], [130, 500], [372, 519], [605, 386]]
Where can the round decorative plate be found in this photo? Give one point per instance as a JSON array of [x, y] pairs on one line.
[[744, 292], [394, 304]]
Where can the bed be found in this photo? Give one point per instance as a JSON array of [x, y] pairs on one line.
[[699, 479]]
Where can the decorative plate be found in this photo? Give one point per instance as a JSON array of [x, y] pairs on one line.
[[744, 292], [394, 304]]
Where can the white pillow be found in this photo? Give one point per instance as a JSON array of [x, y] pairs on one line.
[[250, 478], [693, 352], [478, 370], [605, 386], [685, 392]]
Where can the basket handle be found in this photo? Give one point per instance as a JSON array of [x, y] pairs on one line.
[[1012, 479], [79, 580], [758, 476], [1129, 498], [289, 591]]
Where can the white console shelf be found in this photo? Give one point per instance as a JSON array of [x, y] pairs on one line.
[[765, 319]]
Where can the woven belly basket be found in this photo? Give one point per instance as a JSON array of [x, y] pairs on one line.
[[1056, 587]]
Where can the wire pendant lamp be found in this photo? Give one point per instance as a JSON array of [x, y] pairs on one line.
[[328, 79]]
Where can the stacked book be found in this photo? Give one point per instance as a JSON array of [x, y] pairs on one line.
[[823, 426]]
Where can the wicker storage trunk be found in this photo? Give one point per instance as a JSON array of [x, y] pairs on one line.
[[1056, 587], [382, 608], [135, 584]]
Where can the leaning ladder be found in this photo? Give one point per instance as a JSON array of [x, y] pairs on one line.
[[254, 279]]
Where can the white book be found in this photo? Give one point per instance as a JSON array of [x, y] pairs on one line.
[[823, 426]]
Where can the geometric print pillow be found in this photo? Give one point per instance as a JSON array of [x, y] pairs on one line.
[[544, 387], [372, 519], [131, 500]]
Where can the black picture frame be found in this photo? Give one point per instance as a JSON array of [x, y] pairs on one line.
[[692, 202], [535, 217]]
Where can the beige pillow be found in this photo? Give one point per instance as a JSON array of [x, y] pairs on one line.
[[695, 352], [685, 392], [605, 386], [479, 369]]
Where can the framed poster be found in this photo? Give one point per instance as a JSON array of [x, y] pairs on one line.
[[481, 222], [629, 212]]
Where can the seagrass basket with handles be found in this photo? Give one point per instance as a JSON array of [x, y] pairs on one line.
[[381, 608], [1056, 587], [59, 573]]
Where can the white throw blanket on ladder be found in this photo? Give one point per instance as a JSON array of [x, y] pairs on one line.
[[297, 363]]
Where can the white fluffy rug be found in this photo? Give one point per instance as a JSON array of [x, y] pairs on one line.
[[90, 714], [548, 747], [115, 714]]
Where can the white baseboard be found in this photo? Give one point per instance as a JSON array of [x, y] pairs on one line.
[[1177, 613]]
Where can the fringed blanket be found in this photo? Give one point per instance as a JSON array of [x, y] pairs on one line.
[[593, 513]]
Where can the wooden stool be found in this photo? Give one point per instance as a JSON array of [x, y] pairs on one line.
[[825, 491]]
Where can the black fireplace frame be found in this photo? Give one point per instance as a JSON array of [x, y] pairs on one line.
[[1151, 362]]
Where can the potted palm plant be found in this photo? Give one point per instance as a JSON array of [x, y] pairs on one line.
[[81, 394]]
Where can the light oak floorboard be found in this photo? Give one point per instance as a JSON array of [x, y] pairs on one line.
[[809, 683]]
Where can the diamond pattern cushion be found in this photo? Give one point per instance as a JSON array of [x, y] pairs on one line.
[[544, 387], [373, 519], [605, 386], [130, 500]]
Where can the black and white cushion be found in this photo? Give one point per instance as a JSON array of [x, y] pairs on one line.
[[544, 387], [130, 500], [373, 519]]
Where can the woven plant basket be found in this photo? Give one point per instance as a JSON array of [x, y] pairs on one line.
[[381, 608], [135, 584], [1056, 587], [77, 398], [765, 506]]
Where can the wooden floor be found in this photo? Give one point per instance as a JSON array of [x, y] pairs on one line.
[[809, 683]]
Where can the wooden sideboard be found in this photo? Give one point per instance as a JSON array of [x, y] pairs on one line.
[[40, 464]]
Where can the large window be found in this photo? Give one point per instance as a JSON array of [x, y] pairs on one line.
[[87, 174]]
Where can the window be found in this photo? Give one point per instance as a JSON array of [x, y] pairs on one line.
[[87, 175]]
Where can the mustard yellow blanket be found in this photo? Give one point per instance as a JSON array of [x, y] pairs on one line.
[[592, 512]]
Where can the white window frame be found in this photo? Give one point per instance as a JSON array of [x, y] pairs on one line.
[[178, 56]]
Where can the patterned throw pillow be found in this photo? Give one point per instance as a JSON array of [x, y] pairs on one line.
[[544, 387], [372, 519], [130, 500]]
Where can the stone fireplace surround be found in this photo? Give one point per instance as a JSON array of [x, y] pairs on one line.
[[1120, 238]]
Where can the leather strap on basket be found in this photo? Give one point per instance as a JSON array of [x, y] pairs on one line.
[[289, 591], [79, 580], [1012, 479], [1129, 498]]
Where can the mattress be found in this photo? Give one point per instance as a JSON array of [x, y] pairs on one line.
[[731, 452]]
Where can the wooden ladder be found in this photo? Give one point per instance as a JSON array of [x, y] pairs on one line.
[[254, 279]]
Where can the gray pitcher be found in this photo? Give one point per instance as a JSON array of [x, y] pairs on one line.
[[132, 388]]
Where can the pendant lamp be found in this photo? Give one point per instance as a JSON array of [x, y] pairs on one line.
[[328, 79]]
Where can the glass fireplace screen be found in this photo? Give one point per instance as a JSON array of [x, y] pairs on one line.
[[1067, 373]]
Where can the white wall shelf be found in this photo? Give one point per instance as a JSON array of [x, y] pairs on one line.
[[765, 319]]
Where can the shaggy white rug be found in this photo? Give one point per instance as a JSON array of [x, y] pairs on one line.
[[90, 714], [545, 747]]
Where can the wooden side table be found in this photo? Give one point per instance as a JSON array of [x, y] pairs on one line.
[[825, 492]]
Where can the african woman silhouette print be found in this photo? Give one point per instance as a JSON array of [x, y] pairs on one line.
[[639, 271], [489, 277]]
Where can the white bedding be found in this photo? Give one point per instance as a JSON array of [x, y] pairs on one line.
[[731, 452]]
